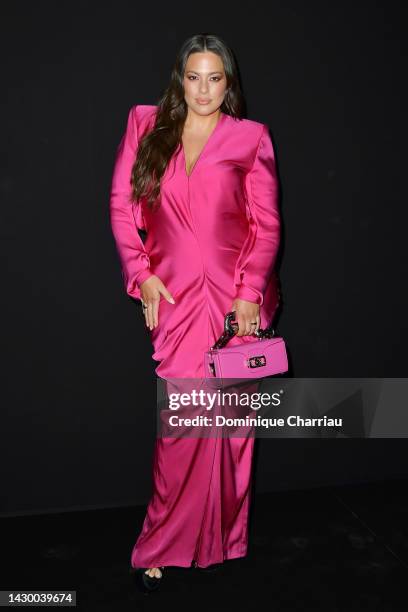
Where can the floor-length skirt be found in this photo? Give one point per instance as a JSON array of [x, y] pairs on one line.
[[199, 508], [200, 504]]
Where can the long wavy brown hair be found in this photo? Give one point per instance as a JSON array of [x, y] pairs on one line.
[[157, 147]]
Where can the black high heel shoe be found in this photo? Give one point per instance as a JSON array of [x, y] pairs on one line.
[[152, 582], [149, 583]]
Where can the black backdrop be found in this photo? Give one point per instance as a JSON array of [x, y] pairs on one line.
[[78, 415]]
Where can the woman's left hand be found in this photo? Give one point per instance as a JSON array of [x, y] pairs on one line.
[[246, 313]]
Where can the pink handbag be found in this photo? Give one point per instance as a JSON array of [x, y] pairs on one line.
[[263, 357]]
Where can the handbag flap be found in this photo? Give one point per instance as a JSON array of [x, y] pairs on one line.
[[249, 349]]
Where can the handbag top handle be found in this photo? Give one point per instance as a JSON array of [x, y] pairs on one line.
[[230, 329]]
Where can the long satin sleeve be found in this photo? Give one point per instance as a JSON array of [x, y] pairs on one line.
[[258, 254], [135, 262]]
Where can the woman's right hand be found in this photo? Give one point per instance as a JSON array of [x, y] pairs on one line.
[[150, 290]]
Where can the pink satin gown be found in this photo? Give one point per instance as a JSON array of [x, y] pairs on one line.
[[214, 238]]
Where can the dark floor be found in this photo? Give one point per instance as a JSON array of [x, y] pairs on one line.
[[330, 549]]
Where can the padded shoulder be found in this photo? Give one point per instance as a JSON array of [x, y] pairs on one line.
[[144, 117]]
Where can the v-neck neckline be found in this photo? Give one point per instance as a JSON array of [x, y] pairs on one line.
[[220, 118]]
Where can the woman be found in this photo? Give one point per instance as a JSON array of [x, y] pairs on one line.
[[202, 182]]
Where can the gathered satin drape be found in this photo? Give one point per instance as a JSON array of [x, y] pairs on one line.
[[214, 238]]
